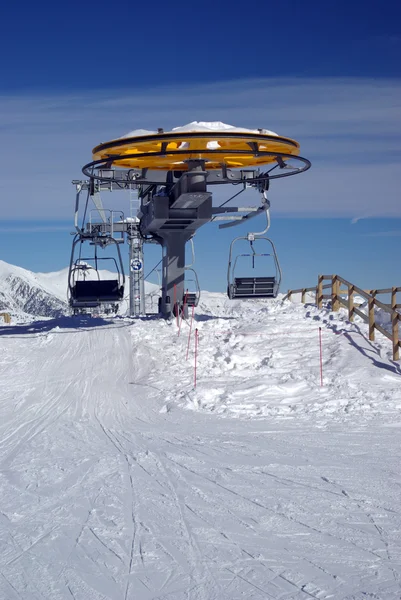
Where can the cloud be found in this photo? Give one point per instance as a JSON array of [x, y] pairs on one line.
[[356, 220], [350, 128], [394, 233], [11, 228]]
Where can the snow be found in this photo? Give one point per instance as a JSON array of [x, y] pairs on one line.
[[119, 480], [195, 126], [259, 367], [55, 282]]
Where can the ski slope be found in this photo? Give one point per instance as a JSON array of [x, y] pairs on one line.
[[120, 481]]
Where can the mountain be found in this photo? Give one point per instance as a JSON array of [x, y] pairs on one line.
[[23, 293]]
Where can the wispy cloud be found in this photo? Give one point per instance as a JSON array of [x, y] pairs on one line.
[[356, 220], [350, 129], [4, 228], [394, 233]]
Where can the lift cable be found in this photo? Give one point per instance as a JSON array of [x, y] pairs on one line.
[[155, 267], [232, 197]]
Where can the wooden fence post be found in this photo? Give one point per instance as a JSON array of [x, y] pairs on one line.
[[289, 294], [319, 292], [351, 290], [303, 295], [393, 298], [335, 305], [371, 308], [396, 346]]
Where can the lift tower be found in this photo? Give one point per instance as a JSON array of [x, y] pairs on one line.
[[136, 264]]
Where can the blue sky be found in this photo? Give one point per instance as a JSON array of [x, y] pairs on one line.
[[327, 74], [80, 45]]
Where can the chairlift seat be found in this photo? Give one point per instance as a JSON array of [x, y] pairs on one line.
[[107, 290], [253, 287], [192, 299]]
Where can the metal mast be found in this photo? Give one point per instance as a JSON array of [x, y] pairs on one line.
[[172, 218], [137, 283]]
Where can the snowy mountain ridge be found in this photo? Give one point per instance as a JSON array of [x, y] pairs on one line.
[[24, 293]]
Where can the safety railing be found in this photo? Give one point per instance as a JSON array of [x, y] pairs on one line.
[[336, 296]]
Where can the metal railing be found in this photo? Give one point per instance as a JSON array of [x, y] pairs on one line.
[[336, 296]]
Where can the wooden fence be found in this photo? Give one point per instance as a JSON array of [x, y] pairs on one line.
[[336, 294]]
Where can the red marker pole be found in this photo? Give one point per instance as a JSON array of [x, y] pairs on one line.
[[196, 354], [183, 312], [190, 330], [176, 304], [321, 357]]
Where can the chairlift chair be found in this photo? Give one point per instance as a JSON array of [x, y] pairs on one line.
[[191, 287], [86, 293], [254, 287], [192, 297]]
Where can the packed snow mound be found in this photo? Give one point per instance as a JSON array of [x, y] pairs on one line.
[[194, 126], [260, 359]]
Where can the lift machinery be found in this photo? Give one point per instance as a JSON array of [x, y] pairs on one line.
[[174, 173]]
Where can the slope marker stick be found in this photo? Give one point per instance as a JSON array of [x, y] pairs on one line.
[[196, 353], [321, 357], [190, 330], [182, 312], [176, 303]]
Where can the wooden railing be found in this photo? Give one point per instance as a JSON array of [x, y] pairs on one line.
[[336, 293]]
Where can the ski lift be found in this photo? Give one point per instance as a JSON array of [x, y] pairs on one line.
[[253, 287], [191, 283], [88, 292], [192, 289]]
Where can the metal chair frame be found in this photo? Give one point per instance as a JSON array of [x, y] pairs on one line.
[[251, 238], [75, 268]]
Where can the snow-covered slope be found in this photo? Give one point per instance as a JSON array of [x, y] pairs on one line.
[[120, 481]]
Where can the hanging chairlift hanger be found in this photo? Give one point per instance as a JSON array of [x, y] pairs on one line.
[[254, 287]]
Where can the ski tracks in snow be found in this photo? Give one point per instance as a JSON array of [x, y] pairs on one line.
[[109, 490]]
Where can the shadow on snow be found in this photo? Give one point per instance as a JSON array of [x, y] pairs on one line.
[[62, 325], [369, 352]]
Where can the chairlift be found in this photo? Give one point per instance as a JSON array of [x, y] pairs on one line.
[[191, 283], [154, 296], [92, 293], [192, 288], [253, 287]]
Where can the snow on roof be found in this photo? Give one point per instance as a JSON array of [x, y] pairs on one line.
[[195, 126]]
